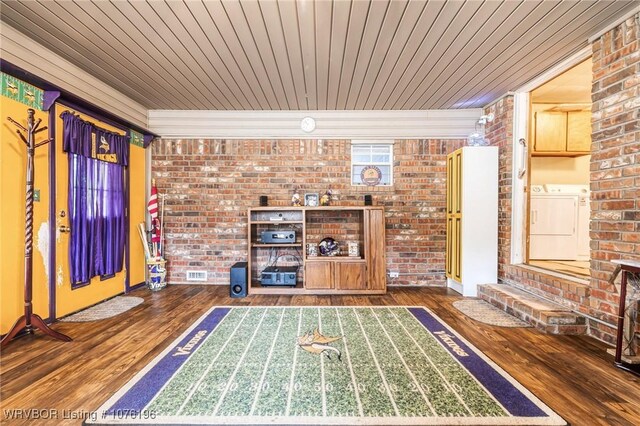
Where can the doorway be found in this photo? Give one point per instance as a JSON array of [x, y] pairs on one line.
[[559, 173], [67, 299]]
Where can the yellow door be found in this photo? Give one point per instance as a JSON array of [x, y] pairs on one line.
[[68, 300], [449, 217], [454, 216]]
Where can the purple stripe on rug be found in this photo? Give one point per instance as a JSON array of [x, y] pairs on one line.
[[514, 401], [141, 393]]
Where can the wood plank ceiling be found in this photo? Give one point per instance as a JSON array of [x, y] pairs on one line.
[[313, 55]]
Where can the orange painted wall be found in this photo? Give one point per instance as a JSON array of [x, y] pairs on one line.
[[137, 212], [13, 167], [12, 218]]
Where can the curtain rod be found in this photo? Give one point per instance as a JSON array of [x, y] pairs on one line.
[[79, 109], [77, 115]]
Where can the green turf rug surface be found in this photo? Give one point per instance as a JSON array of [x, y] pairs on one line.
[[324, 366]]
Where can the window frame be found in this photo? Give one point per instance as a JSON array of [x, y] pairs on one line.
[[372, 143]]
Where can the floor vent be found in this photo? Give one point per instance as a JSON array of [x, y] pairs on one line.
[[196, 275]]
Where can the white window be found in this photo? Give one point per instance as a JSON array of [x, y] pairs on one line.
[[374, 157]]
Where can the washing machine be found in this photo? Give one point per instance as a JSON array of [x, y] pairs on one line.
[[584, 214], [559, 222]]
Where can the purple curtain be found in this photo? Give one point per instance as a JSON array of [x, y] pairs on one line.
[[96, 203], [83, 138], [76, 135], [116, 144]]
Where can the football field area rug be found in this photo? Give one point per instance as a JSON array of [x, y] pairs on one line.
[[323, 366]]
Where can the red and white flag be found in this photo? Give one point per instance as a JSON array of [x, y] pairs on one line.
[[153, 203], [155, 222]]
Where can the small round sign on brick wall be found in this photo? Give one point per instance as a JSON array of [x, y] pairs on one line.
[[371, 175]]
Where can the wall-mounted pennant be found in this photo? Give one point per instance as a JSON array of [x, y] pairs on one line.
[[136, 138], [22, 92]]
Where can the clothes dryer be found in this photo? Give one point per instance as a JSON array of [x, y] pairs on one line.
[[558, 230]]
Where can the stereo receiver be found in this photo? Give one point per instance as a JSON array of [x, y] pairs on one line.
[[285, 236], [279, 275]]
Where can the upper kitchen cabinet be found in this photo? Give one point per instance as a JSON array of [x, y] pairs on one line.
[[579, 131], [562, 133]]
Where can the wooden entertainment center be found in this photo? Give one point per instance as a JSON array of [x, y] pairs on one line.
[[337, 274]]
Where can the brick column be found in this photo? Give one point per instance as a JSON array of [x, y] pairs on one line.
[[500, 134], [615, 168]]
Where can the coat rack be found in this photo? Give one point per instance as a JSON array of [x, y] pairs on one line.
[[30, 321]]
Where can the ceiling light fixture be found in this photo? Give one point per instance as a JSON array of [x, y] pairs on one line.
[[488, 118], [477, 137]]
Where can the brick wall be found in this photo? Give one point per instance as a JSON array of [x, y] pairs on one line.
[[615, 163], [500, 134], [209, 184], [615, 181], [564, 291]]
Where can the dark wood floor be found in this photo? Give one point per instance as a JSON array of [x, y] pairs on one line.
[[573, 375]]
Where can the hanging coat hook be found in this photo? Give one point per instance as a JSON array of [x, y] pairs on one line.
[[36, 125], [15, 123], [23, 138], [43, 143]]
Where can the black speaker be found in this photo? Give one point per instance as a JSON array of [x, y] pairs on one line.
[[368, 200], [264, 200], [238, 280]]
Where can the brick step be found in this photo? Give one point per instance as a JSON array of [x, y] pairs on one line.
[[545, 316]]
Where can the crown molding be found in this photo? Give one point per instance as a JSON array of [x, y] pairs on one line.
[[436, 124]]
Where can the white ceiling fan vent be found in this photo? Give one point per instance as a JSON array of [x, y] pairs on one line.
[[196, 275]]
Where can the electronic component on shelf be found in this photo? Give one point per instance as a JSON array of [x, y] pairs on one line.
[[285, 236], [279, 275]]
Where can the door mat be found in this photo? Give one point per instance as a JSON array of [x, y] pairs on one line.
[[323, 366], [108, 309], [486, 313]]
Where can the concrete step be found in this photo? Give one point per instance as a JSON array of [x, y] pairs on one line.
[[545, 316]]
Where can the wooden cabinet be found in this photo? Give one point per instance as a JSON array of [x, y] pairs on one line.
[[551, 132], [471, 255], [559, 133], [350, 275], [319, 275], [339, 275], [374, 240], [364, 274], [579, 131]]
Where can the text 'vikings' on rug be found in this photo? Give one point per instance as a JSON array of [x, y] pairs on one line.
[[323, 365]]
